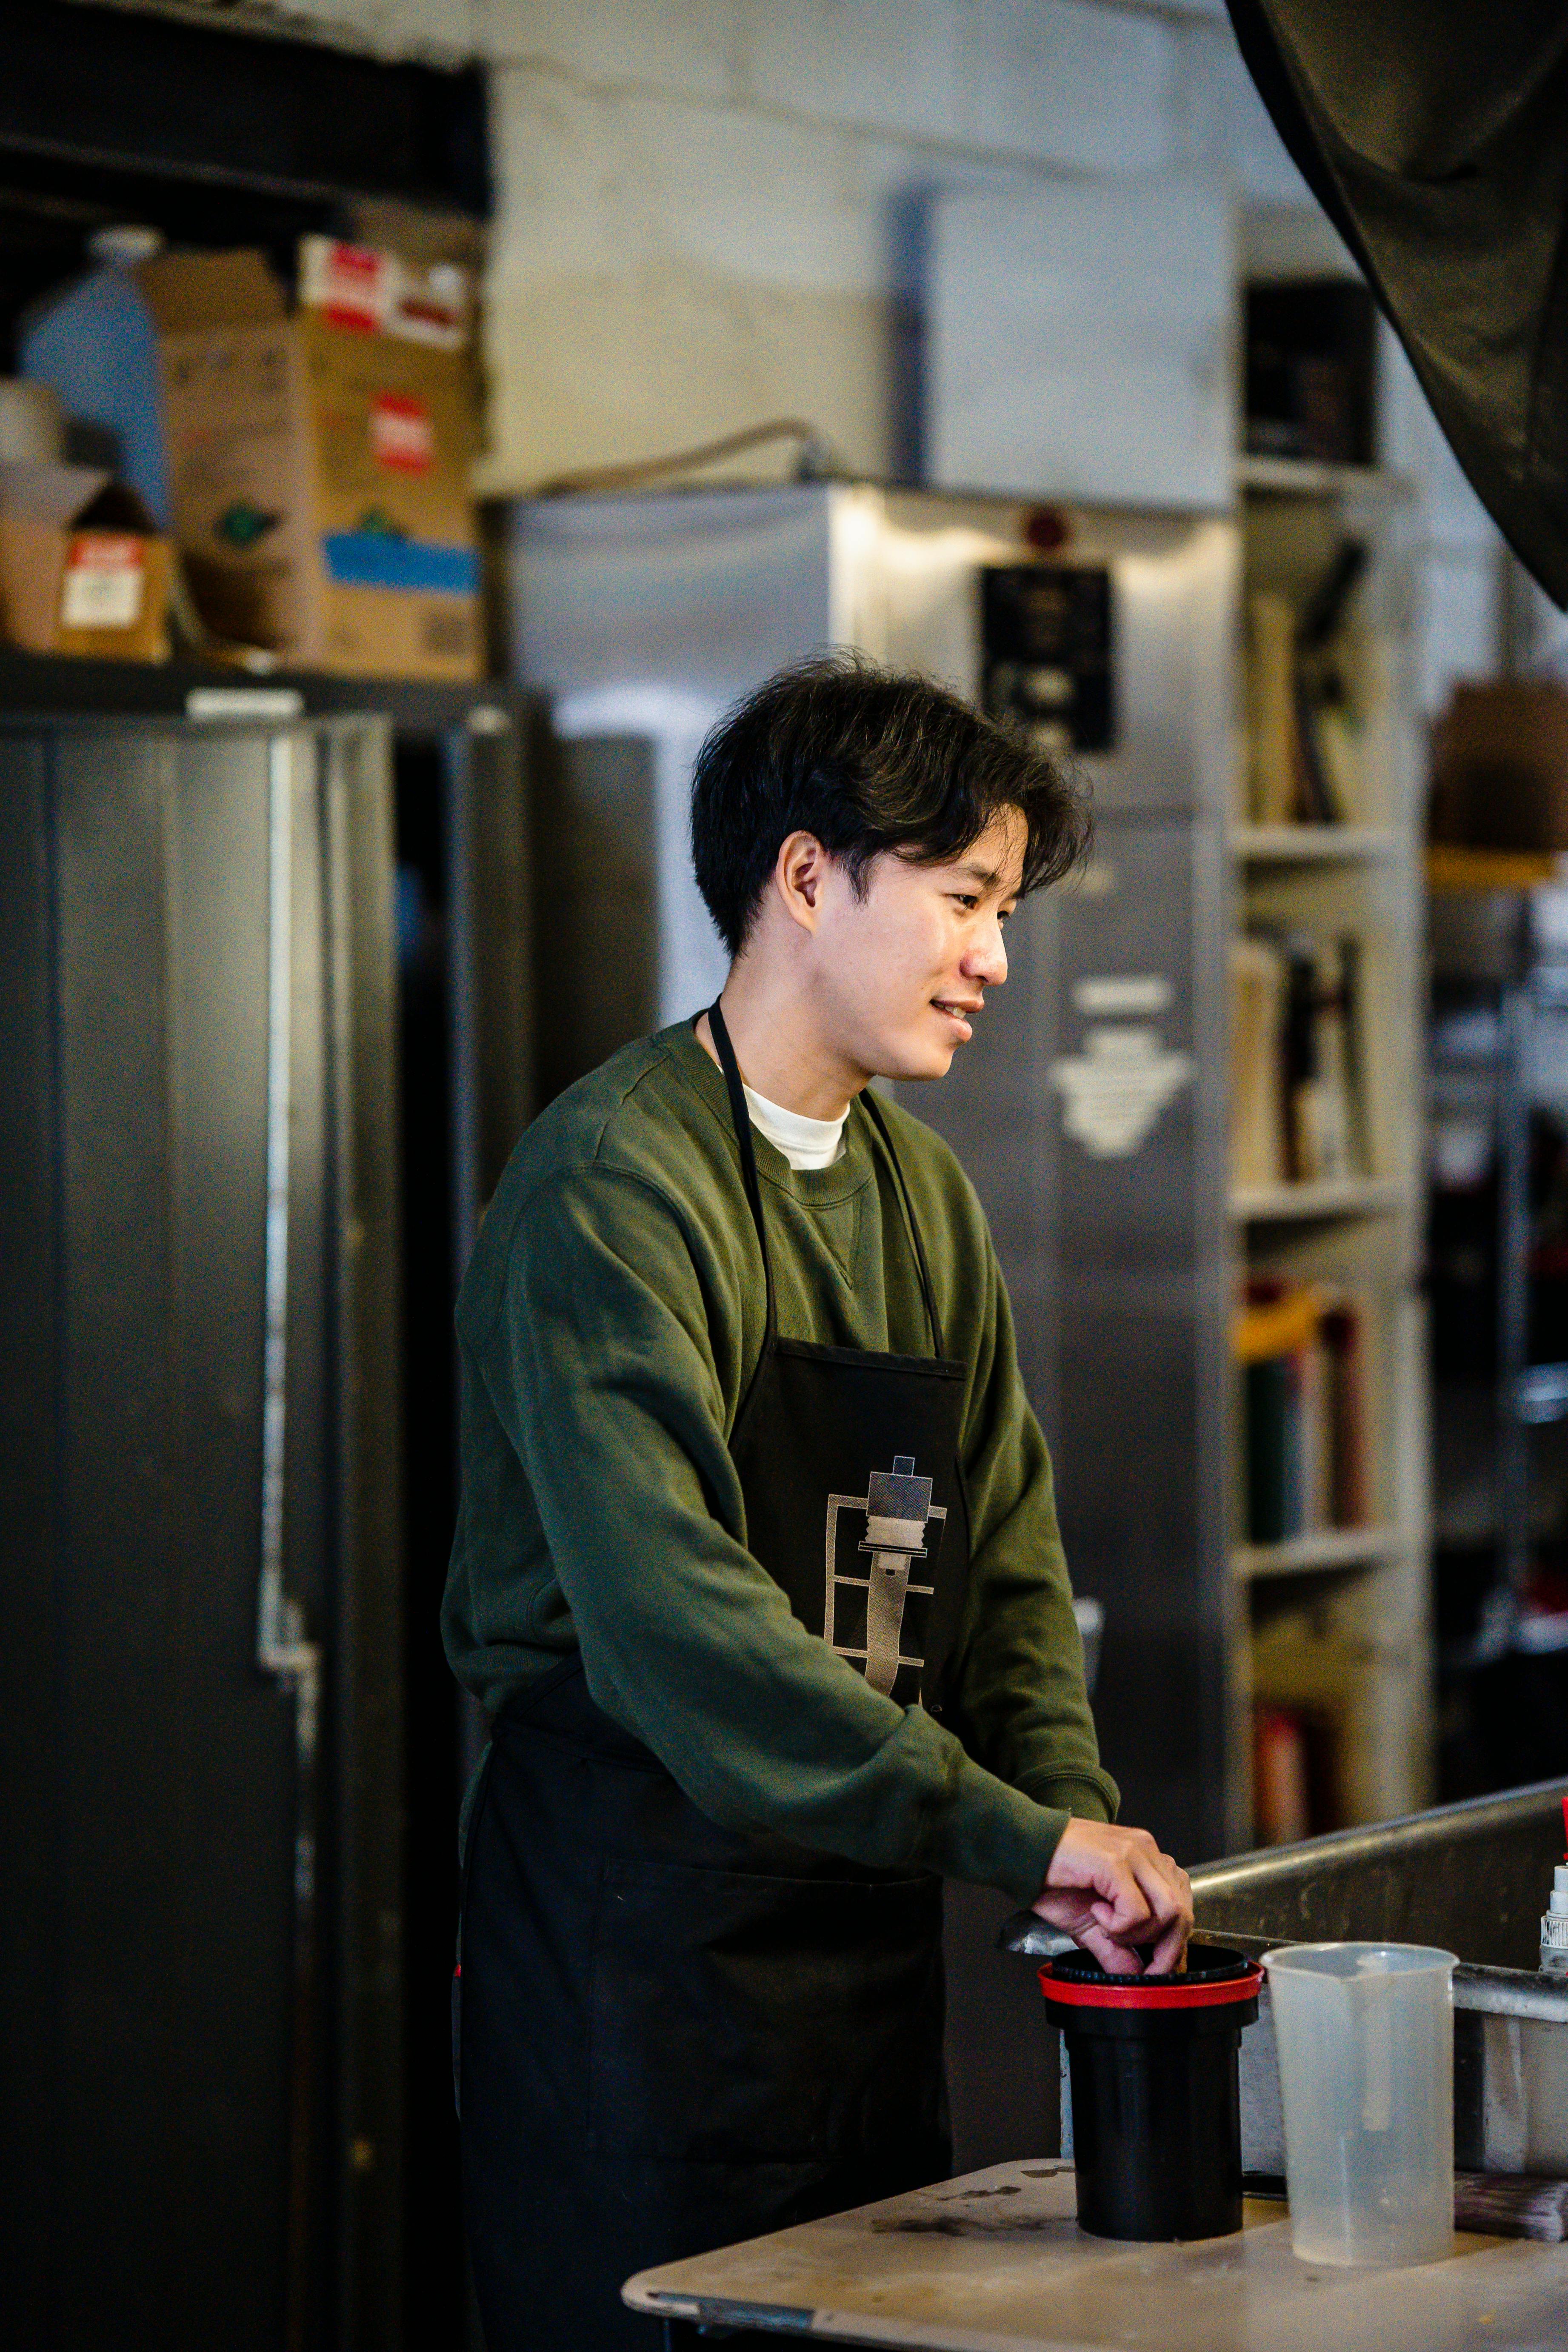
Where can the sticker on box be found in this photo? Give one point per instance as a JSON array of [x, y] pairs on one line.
[[402, 433], [103, 583], [355, 285], [432, 307], [358, 286]]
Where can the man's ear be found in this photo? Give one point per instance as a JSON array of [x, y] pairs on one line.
[[799, 874]]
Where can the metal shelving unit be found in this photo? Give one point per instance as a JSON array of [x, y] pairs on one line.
[[1305, 477], [1526, 982], [1310, 845], [1335, 1622], [1305, 1203], [1335, 1547]]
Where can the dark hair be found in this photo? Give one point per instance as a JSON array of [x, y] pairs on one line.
[[867, 760]]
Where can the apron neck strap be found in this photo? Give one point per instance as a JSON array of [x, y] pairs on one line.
[[743, 1118], [874, 1112]]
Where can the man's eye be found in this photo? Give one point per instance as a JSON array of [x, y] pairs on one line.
[[966, 898]]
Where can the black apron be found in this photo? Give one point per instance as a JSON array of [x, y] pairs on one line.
[[674, 2035]]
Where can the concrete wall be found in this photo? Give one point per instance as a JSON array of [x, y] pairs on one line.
[[703, 204]]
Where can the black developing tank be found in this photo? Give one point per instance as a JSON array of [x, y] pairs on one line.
[[1156, 2102]]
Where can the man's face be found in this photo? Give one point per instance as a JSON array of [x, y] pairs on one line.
[[903, 972]]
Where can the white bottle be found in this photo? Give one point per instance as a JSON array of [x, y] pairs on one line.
[[1554, 1927]]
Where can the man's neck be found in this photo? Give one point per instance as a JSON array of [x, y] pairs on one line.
[[781, 1057]]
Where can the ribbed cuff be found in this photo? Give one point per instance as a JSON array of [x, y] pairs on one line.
[[1089, 1800]]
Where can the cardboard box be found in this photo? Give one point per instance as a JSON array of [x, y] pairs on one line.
[[318, 461], [1499, 775], [319, 464], [82, 568]]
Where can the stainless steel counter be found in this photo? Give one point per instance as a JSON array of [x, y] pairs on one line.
[[1473, 1878]]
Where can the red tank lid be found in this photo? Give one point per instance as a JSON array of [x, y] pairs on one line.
[[1215, 1977]]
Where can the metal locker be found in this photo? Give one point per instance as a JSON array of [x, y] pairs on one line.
[[198, 1609]]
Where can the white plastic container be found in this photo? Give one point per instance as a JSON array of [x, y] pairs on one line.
[[1365, 2033], [1554, 1923]]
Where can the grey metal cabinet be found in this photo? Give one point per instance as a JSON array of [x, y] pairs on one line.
[[199, 1867]]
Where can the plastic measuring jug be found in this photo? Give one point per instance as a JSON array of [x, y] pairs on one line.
[[1365, 2034]]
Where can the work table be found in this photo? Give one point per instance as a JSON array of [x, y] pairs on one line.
[[995, 2263]]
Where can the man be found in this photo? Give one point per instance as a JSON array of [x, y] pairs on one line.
[[757, 1567]]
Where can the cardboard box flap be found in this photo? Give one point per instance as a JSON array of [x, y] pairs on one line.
[[189, 291], [116, 506], [73, 497]]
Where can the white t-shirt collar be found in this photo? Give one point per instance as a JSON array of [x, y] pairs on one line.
[[805, 1142]]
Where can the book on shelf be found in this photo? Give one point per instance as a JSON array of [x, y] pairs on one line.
[[1295, 1772], [1280, 1813], [1273, 744], [1305, 698], [1257, 1073], [1297, 1110], [1301, 1351], [1311, 376]]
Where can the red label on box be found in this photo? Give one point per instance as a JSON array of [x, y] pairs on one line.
[[101, 586], [403, 433], [352, 284]]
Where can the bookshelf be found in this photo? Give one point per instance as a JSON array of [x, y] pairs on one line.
[[1329, 1545]]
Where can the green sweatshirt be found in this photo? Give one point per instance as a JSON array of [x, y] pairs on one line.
[[609, 1324]]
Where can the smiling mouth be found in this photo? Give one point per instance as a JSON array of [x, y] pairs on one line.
[[962, 1013]]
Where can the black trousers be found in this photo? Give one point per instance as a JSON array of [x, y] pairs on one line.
[[672, 2037]]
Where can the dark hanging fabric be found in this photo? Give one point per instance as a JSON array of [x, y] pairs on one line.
[[1434, 135]]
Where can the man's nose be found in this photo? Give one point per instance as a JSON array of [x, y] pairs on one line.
[[987, 959]]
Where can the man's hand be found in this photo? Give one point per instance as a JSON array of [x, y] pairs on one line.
[[1112, 1890]]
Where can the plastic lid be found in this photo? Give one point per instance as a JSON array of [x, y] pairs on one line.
[[1215, 1978], [125, 243]]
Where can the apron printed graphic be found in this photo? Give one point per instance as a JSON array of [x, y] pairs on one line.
[[865, 1601]]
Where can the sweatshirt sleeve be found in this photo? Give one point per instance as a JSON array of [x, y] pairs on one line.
[[1025, 1710], [601, 1369]]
